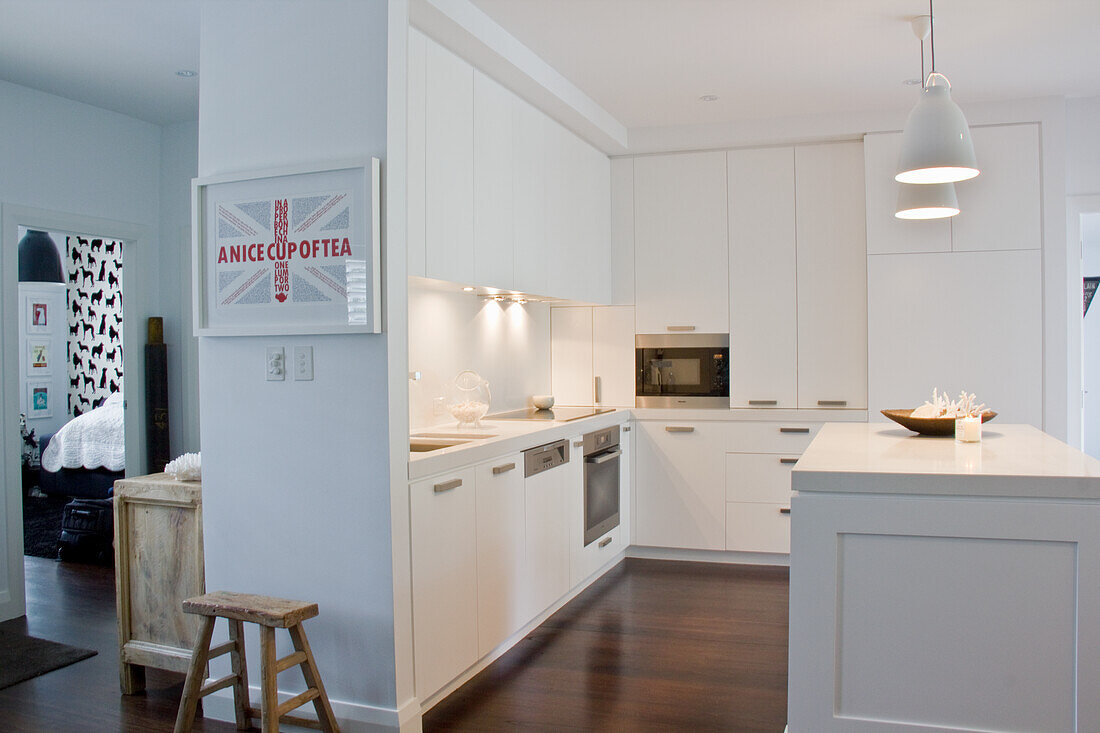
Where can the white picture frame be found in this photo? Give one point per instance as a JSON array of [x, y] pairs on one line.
[[262, 263], [39, 356], [39, 315], [39, 400]]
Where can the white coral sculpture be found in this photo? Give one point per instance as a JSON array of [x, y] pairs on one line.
[[940, 406], [187, 467]]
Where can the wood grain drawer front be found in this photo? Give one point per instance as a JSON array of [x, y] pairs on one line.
[[759, 477], [788, 438], [758, 527]]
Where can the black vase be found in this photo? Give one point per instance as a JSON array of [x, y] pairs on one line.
[[39, 260]]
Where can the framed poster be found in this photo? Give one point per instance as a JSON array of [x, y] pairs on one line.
[[288, 251], [38, 356], [38, 400], [38, 315]]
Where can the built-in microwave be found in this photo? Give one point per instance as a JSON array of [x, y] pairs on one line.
[[682, 370]]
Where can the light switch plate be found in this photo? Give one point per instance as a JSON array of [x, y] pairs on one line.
[[303, 363], [275, 364]]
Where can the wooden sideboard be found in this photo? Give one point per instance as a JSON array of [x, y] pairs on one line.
[[158, 563]]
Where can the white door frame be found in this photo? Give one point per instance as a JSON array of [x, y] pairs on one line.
[[137, 248], [1075, 207]]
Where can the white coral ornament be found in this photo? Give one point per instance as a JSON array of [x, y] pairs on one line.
[[187, 467]]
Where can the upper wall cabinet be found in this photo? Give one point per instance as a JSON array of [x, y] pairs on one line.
[[832, 276], [999, 210], [417, 94], [763, 303], [493, 254], [622, 231], [887, 234], [449, 166], [681, 263], [529, 161]]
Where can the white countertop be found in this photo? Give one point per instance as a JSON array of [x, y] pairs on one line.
[[1011, 461], [505, 437]]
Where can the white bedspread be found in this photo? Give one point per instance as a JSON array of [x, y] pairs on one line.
[[93, 440]]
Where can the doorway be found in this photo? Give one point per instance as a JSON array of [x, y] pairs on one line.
[[1090, 336]]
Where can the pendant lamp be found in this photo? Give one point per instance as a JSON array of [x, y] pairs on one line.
[[930, 201], [936, 145]]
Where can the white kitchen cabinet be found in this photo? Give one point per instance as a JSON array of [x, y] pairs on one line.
[[681, 255], [832, 275], [564, 269], [1001, 208], [449, 166], [595, 217], [887, 234], [762, 277], [622, 231], [758, 528], [679, 485], [571, 355], [501, 548], [759, 478], [444, 578], [975, 325], [417, 97], [493, 255], [529, 198], [546, 526], [592, 355]]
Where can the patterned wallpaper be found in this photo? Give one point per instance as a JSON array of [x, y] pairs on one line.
[[95, 321]]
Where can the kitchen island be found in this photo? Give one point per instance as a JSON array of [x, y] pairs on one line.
[[941, 586]]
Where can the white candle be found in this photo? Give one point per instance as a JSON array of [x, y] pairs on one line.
[[968, 429]]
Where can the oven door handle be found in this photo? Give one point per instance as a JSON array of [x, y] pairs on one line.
[[604, 457]]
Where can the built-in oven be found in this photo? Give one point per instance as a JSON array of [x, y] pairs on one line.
[[682, 370], [601, 482]]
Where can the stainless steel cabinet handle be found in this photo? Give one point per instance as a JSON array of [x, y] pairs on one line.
[[794, 430], [832, 403], [447, 485], [788, 460], [763, 402], [596, 391], [603, 457], [605, 542], [578, 443], [626, 429], [497, 470], [784, 510], [681, 328], [679, 429]]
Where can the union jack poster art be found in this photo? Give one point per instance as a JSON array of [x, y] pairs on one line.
[[290, 254]]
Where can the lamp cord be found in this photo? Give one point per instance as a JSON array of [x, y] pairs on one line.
[[932, 38]]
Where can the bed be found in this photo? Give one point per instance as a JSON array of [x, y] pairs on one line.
[[85, 457]]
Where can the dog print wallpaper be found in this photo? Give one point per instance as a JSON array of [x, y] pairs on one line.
[[95, 321]]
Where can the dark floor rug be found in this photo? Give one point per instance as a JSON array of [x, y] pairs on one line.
[[23, 657], [42, 525]]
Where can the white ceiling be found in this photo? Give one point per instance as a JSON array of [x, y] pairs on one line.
[[118, 54], [648, 61]]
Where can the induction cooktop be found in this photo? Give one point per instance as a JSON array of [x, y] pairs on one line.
[[561, 414]]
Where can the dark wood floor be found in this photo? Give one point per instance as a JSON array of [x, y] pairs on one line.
[[75, 604], [651, 646]]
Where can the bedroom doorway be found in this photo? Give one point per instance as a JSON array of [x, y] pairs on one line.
[[70, 391], [64, 354]]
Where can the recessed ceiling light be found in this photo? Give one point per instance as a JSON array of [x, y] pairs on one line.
[[186, 73], [709, 98], [911, 82], [468, 289]]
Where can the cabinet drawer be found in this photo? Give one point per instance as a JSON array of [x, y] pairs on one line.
[[759, 477], [770, 437], [758, 527], [591, 558]]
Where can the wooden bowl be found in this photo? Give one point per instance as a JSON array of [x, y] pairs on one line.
[[929, 425]]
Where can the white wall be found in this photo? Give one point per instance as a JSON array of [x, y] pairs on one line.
[[506, 343], [1083, 146], [296, 475], [64, 156], [179, 160]]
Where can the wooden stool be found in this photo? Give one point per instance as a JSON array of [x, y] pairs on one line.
[[269, 614]]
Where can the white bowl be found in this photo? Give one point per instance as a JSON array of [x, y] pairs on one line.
[[543, 401]]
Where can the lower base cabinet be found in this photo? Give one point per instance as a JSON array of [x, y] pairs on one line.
[[501, 551], [444, 578], [758, 502], [546, 576]]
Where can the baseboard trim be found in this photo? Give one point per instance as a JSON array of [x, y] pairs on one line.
[[722, 556], [353, 717]]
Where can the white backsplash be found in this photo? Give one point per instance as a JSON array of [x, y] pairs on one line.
[[506, 343]]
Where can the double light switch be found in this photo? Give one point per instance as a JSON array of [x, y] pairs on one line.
[[277, 366]]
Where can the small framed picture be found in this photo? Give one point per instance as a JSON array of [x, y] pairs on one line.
[[38, 356], [38, 316], [38, 400]]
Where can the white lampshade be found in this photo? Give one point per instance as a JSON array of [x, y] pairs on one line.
[[936, 145], [932, 201]]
